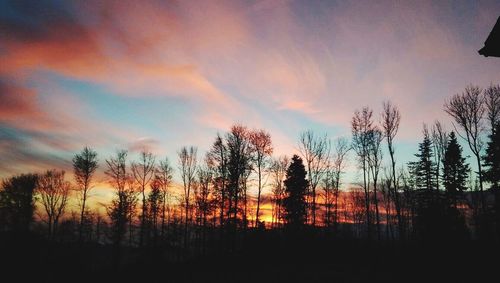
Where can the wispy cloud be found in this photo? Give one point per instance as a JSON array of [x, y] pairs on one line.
[[200, 66]]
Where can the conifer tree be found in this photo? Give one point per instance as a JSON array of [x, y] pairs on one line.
[[455, 170], [425, 166], [492, 159], [295, 191]]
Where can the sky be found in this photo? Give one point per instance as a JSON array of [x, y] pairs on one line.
[[165, 74]]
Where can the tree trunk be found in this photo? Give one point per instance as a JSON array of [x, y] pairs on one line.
[[258, 197]]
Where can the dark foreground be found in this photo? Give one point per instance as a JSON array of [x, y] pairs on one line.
[[264, 258]]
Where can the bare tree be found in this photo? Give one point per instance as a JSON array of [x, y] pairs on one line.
[[203, 197], [467, 109], [143, 172], [260, 143], [374, 163], [53, 191], [155, 204], [278, 174], [492, 102], [341, 148], [440, 142], [164, 176], [329, 192], [218, 158], [391, 119], [187, 168], [84, 167], [362, 126], [239, 160], [315, 151]]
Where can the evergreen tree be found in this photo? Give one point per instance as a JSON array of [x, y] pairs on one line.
[[455, 170], [492, 159], [425, 167], [295, 193]]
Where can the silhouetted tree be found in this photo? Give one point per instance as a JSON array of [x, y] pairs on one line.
[[218, 158], [425, 166], [260, 142], [455, 170], [362, 127], [118, 212], [315, 151], [295, 192], [17, 202], [187, 168], [467, 109], [492, 172], [154, 201], [278, 174], [54, 192], [143, 172], [119, 209], [440, 143], [492, 103], [391, 119], [203, 197], [337, 166], [329, 195], [492, 159], [84, 167], [164, 176], [374, 163], [239, 157]]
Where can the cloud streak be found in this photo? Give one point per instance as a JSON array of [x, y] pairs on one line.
[[199, 67]]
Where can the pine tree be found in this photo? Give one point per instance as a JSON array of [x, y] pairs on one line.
[[455, 170], [492, 159], [295, 191], [425, 167]]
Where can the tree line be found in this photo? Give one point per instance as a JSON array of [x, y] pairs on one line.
[[436, 196]]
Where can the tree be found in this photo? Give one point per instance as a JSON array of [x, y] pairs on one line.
[[119, 211], [260, 142], [492, 159], [17, 202], [117, 170], [362, 126], [278, 174], [239, 158], [425, 167], [163, 175], [467, 109], [329, 192], [440, 143], [187, 168], [84, 167], [492, 103], [337, 167], [295, 192], [315, 151], [154, 206], [374, 163], [203, 197], [391, 119], [455, 170], [53, 191], [143, 172], [218, 158]]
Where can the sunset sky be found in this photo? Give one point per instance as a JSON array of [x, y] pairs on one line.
[[161, 75]]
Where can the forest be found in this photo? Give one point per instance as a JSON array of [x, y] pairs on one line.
[[242, 214]]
